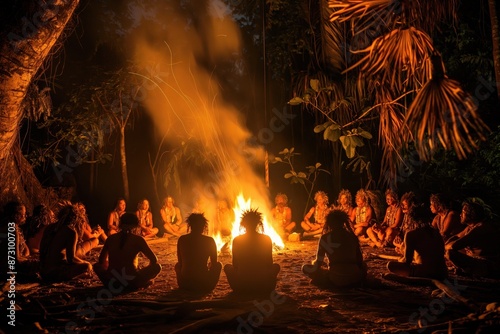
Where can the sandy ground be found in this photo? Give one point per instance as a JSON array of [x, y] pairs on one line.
[[381, 306]]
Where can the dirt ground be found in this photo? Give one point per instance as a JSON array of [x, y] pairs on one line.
[[381, 306]]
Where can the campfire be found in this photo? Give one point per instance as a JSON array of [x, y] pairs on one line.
[[242, 204]]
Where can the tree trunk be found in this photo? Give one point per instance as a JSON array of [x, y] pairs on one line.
[[23, 51], [495, 35], [123, 159]]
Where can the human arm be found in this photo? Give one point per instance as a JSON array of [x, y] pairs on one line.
[[308, 215], [113, 224], [288, 216], [213, 253], [71, 245], [464, 239], [148, 252], [408, 248], [321, 252], [450, 223]]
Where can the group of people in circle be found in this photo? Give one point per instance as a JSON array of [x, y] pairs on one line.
[[430, 246]]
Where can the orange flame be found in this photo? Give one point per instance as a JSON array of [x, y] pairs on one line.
[[242, 205]]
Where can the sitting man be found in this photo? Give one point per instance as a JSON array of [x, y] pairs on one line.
[[193, 252], [253, 270], [58, 259], [382, 234], [475, 250], [346, 267], [119, 256], [423, 250], [282, 216]]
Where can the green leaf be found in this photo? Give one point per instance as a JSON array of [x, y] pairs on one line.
[[296, 101], [314, 84], [276, 159], [288, 175], [302, 175], [364, 134], [318, 165], [322, 127], [285, 151]]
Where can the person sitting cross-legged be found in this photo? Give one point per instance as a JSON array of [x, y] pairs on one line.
[[345, 260], [58, 248], [252, 271], [194, 272], [118, 261], [423, 250], [475, 250]]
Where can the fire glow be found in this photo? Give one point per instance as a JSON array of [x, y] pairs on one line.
[[241, 206]]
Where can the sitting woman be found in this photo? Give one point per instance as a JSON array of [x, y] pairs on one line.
[[345, 259], [114, 216], [252, 271], [408, 205], [120, 255], [35, 226], [363, 215], [145, 217], [172, 219], [197, 268], [88, 237], [383, 234], [314, 220], [344, 202]]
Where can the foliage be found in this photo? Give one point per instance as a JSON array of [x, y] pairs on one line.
[[306, 178]]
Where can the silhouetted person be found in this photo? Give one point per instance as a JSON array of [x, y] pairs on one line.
[[197, 268], [423, 250], [58, 259], [118, 261], [253, 271], [341, 247], [475, 250]]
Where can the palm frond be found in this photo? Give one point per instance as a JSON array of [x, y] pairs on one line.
[[442, 114], [364, 15], [369, 14], [398, 58], [333, 46]]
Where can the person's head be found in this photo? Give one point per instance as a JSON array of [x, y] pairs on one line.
[[143, 205], [43, 215], [251, 220], [472, 213], [321, 197], [15, 212], [67, 215], [336, 219], [197, 223], [408, 202], [362, 198], [129, 222], [121, 205], [281, 200], [391, 197], [439, 203], [168, 202], [81, 208], [345, 198]]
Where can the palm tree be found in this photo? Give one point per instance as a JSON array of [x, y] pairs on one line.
[[24, 49], [413, 97]]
